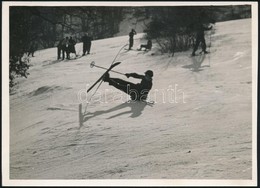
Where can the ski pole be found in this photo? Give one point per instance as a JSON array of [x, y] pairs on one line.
[[209, 45], [92, 64]]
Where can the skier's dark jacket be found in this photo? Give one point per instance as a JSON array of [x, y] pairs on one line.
[[200, 31], [132, 33], [86, 39], [71, 46], [60, 44], [149, 44], [143, 87]]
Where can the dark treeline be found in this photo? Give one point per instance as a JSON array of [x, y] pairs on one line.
[[49, 24], [42, 27]]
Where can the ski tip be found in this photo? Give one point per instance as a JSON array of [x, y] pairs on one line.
[[117, 63]]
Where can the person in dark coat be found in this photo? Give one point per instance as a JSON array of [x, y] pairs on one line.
[[71, 46], [65, 48], [86, 39], [131, 38], [200, 38], [137, 92], [147, 46], [59, 48], [32, 48]]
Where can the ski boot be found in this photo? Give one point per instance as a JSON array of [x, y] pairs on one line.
[[106, 77]]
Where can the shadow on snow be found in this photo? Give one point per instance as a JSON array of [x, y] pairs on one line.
[[196, 63], [136, 109]]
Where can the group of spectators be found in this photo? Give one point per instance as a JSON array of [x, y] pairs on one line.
[[67, 46]]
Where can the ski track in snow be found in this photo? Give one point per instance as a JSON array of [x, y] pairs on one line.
[[207, 137]]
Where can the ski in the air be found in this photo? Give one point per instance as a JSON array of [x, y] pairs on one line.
[[110, 68]]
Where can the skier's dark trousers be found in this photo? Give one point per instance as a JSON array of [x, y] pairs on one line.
[[131, 38], [86, 44], [137, 92], [200, 38]]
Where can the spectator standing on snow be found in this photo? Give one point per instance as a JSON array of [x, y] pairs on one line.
[[131, 38], [200, 38], [86, 39], [59, 49], [65, 48], [71, 46], [32, 48]]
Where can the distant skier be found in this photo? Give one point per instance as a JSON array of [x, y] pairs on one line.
[[59, 49], [86, 39], [137, 92], [147, 46], [71, 46], [200, 38], [65, 48], [131, 38], [32, 48]]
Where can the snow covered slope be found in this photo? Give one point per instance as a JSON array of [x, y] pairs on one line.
[[199, 128]]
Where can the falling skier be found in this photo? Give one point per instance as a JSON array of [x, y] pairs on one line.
[[137, 92], [200, 38]]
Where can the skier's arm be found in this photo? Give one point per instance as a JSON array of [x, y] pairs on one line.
[[134, 75]]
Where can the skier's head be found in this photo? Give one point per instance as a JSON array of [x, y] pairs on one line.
[[149, 73]]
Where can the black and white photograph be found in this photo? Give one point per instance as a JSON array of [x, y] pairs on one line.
[[129, 93]]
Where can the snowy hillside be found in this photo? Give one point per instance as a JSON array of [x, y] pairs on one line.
[[199, 128]]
